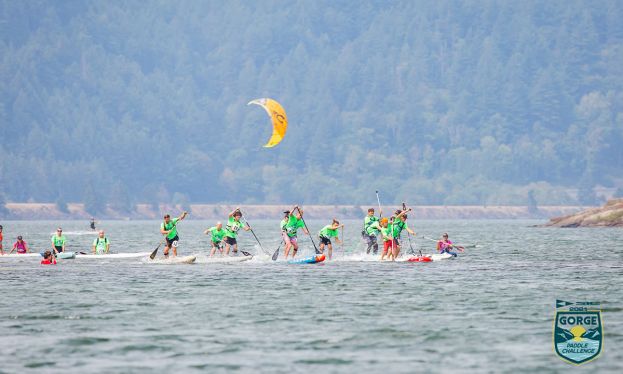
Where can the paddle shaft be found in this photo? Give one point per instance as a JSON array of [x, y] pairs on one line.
[[255, 236], [378, 200]]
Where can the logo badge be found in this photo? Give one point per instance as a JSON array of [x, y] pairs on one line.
[[578, 331]]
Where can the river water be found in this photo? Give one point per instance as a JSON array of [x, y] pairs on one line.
[[490, 310]]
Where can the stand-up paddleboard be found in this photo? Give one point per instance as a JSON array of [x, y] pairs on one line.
[[173, 260], [308, 260], [110, 256], [225, 260], [419, 259], [23, 255], [66, 255], [430, 257]]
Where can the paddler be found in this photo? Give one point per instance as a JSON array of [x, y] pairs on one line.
[[58, 241], [386, 233], [400, 223], [444, 245], [218, 233], [1, 237], [92, 223], [231, 230], [295, 222], [20, 245], [371, 229], [169, 228], [48, 259], [328, 232], [101, 245]]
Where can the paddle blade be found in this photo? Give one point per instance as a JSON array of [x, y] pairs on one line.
[[317, 250], [276, 255], [245, 253], [153, 254]]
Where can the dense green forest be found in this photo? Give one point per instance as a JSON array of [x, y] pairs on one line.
[[433, 102]]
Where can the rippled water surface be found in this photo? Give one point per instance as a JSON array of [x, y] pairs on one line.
[[490, 310]]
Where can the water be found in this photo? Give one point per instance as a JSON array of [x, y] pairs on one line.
[[491, 310]]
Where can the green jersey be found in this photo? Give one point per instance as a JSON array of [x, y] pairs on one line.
[[231, 230], [58, 241], [386, 232], [293, 225], [172, 226], [100, 245], [398, 226], [328, 232], [371, 225], [284, 222], [217, 235]]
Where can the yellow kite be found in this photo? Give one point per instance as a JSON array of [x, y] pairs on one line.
[[277, 116]]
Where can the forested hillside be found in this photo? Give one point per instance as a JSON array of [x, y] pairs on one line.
[[435, 102]]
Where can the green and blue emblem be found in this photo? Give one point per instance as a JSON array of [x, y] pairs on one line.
[[578, 331]]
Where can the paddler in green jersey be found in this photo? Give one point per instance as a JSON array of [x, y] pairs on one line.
[[371, 229], [386, 233], [58, 241], [231, 230], [400, 223], [328, 232], [101, 245], [295, 222], [169, 229], [218, 233]]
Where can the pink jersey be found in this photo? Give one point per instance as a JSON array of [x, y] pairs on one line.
[[20, 246], [442, 245]]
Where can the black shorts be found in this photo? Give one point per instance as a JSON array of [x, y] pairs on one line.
[[230, 241], [172, 242], [58, 249], [325, 241]]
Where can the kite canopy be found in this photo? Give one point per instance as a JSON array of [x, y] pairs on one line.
[[278, 117]]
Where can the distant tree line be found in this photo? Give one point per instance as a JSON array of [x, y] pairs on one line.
[[439, 102]]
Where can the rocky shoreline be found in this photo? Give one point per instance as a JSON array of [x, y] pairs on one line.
[[609, 215], [75, 211]]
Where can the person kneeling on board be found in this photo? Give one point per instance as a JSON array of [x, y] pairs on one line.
[[169, 228], [444, 245], [328, 232], [217, 234], [58, 241], [101, 245], [21, 246], [48, 259]]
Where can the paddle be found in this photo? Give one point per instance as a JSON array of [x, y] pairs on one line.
[[310, 237], [342, 243], [255, 236], [153, 254], [379, 202], [404, 207]]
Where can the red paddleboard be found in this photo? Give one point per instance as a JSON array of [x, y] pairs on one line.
[[420, 259]]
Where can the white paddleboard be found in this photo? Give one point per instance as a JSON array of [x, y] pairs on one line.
[[439, 256], [224, 260], [433, 257], [24, 255], [174, 260], [111, 256]]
